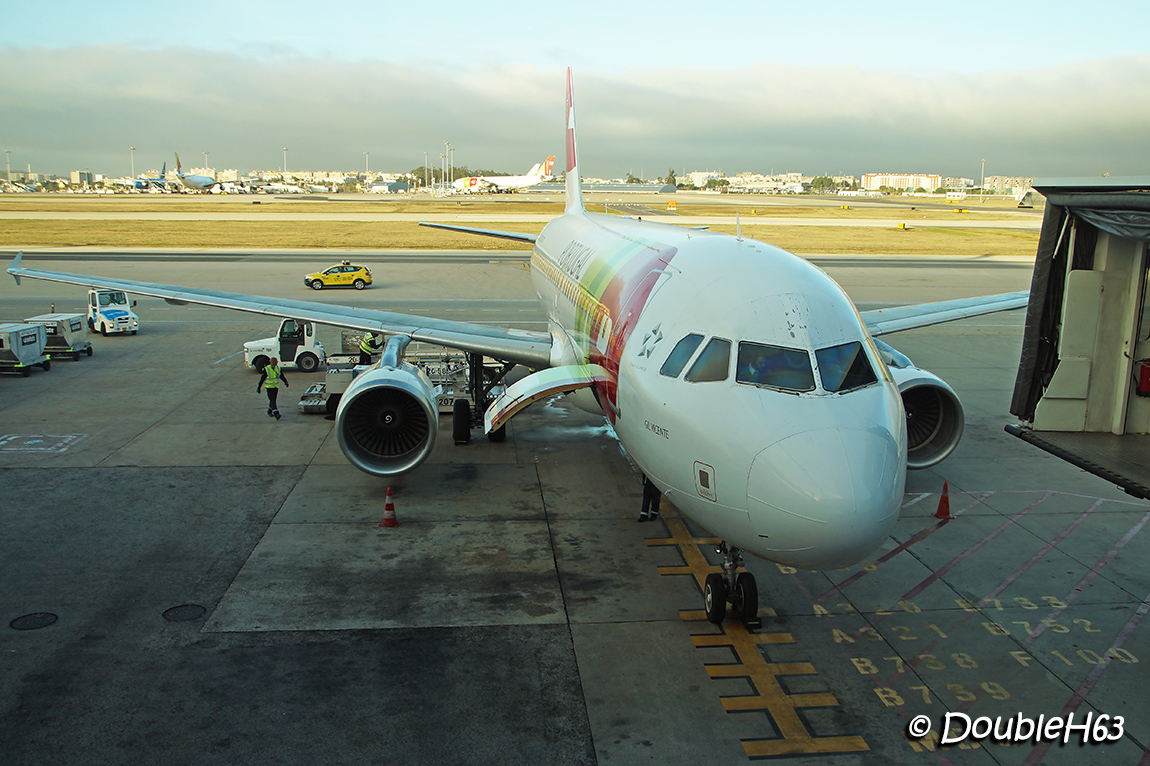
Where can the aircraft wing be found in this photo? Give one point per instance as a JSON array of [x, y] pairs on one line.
[[882, 321], [513, 235], [520, 346]]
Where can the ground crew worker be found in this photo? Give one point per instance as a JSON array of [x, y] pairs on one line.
[[368, 345], [270, 378], [651, 497]]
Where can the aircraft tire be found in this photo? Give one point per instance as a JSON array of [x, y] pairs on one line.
[[715, 598], [746, 597], [461, 421], [307, 362], [316, 285]]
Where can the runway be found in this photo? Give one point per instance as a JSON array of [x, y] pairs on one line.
[[223, 592]]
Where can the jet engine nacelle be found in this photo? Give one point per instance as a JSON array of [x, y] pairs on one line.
[[934, 418], [387, 420]]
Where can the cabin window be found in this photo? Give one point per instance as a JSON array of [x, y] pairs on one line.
[[788, 369], [680, 355], [713, 363], [845, 367]]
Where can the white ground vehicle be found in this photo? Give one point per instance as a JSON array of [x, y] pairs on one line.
[[295, 345], [109, 312]]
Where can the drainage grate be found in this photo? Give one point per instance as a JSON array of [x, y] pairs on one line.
[[185, 613], [33, 621]]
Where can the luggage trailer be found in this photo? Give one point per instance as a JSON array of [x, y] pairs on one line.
[[22, 347], [66, 335]]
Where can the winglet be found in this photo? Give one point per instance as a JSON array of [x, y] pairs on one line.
[[574, 203], [14, 269]]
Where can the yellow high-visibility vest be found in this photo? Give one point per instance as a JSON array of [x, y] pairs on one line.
[[273, 377], [365, 345]]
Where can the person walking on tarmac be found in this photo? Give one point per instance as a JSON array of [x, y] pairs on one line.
[[368, 345], [270, 379]]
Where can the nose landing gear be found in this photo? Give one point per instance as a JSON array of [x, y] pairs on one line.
[[738, 588]]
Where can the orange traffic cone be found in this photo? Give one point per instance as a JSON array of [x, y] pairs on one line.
[[389, 517], [943, 511]]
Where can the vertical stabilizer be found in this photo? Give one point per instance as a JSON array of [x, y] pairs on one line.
[[574, 187]]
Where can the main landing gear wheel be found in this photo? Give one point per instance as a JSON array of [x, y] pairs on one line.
[[731, 585], [461, 421]]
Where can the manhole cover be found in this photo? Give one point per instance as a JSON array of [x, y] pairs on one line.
[[33, 621], [185, 613]]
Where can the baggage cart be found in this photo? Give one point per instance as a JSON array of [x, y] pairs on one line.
[[65, 335], [22, 347]]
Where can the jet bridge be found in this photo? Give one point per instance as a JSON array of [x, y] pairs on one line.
[[1083, 385]]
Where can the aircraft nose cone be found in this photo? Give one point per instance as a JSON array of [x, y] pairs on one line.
[[826, 498]]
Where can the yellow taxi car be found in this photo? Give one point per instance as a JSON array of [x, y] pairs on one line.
[[345, 274]]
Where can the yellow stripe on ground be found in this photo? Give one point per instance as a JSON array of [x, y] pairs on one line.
[[769, 696]]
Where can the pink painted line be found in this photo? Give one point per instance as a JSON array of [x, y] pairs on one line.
[[938, 573], [1076, 591], [918, 537], [1010, 579], [1091, 679], [1043, 551]]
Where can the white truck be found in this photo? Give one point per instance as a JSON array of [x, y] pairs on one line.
[[295, 345], [109, 312]]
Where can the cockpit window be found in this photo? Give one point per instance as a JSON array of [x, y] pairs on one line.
[[680, 354], [845, 367], [785, 368], [713, 363]]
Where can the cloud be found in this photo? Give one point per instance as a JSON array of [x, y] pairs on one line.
[[82, 107]]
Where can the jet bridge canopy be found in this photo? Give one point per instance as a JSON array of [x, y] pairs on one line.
[[1087, 330]]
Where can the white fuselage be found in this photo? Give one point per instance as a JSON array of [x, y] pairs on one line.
[[810, 479]]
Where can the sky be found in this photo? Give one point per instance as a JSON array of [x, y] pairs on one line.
[[835, 87]]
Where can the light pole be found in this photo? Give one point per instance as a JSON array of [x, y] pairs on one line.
[[425, 170], [285, 163], [205, 161], [442, 168], [982, 183], [8, 165], [132, 154], [367, 163]]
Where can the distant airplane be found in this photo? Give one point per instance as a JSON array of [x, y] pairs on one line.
[[161, 183], [739, 378], [195, 183], [474, 184]]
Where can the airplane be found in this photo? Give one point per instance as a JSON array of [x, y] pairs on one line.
[[161, 183], [739, 378], [474, 184], [195, 183]]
